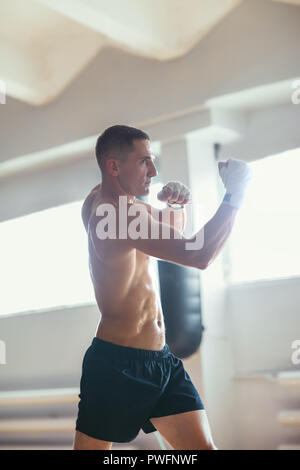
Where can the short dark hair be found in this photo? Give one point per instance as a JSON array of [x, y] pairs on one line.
[[117, 141]]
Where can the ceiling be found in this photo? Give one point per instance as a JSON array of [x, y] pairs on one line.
[[45, 44]]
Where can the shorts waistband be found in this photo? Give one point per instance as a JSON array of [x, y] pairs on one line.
[[118, 352]]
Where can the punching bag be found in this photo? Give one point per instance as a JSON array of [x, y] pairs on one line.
[[181, 305]]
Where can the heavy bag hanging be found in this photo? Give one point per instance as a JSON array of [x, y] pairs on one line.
[[181, 304]]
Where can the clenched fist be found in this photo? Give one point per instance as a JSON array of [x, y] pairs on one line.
[[236, 176], [174, 193]]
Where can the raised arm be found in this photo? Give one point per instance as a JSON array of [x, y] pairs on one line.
[[197, 251], [156, 238], [175, 217]]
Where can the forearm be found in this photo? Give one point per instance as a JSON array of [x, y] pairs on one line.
[[215, 235], [198, 251], [175, 218]]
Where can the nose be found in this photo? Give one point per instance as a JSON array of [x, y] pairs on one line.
[[152, 170]]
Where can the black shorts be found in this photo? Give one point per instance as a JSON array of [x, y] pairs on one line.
[[122, 387]]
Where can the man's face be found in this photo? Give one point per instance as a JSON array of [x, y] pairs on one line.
[[138, 170]]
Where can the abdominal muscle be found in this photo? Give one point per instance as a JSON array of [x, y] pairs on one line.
[[127, 296], [151, 336]]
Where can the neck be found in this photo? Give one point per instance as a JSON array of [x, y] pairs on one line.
[[112, 190]]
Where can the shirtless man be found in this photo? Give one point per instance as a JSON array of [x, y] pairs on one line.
[[130, 379]]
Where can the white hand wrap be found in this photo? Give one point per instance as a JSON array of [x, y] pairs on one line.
[[236, 176], [180, 188], [175, 188]]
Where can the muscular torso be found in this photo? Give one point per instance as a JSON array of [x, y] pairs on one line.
[[126, 291]]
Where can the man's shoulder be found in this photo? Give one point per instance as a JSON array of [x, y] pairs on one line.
[[103, 232], [111, 222]]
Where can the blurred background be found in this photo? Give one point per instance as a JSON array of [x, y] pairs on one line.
[[208, 80]]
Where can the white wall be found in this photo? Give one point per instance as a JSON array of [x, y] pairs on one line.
[[45, 350], [268, 131], [265, 320], [256, 44], [48, 186]]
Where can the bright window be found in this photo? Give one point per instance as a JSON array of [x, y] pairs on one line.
[[44, 261], [264, 243]]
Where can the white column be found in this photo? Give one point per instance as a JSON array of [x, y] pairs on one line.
[[174, 167], [216, 354], [174, 161]]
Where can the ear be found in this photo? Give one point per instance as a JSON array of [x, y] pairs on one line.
[[113, 166]]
